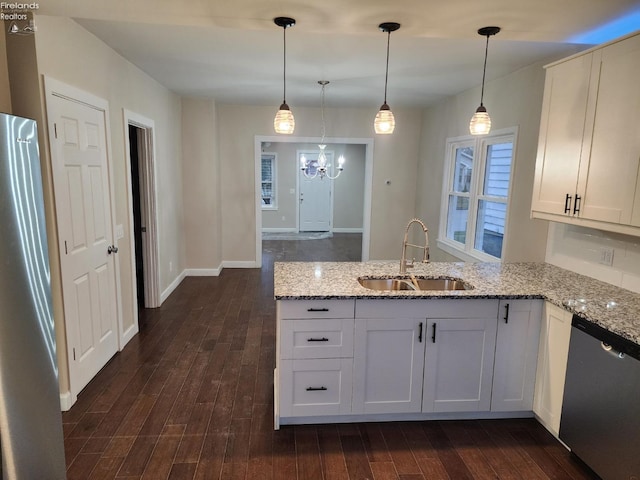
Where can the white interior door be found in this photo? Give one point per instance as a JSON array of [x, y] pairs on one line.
[[315, 213], [83, 205]]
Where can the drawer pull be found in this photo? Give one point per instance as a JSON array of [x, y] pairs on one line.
[[323, 339], [317, 309], [316, 389]]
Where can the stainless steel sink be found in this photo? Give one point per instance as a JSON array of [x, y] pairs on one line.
[[417, 283]]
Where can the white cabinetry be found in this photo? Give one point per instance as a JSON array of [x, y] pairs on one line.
[[459, 363], [514, 372], [589, 148], [388, 363], [552, 365], [314, 358]]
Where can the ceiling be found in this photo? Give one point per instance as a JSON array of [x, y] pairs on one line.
[[233, 52]]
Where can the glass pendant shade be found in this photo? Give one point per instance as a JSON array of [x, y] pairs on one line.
[[384, 122], [480, 123], [284, 121]]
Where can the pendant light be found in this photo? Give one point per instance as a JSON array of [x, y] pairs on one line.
[[320, 168], [480, 122], [385, 122], [284, 121]]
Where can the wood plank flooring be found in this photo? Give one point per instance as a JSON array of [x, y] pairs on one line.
[[191, 397]]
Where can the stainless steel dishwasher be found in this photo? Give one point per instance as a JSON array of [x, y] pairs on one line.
[[601, 409]]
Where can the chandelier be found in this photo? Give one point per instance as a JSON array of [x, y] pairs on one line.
[[320, 167]]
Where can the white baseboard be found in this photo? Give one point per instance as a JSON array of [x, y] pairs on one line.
[[239, 264], [279, 230], [203, 272], [169, 290], [347, 230], [128, 335], [66, 401]]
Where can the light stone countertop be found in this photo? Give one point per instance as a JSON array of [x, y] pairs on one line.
[[614, 308]]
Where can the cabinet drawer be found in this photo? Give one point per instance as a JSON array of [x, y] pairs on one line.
[[315, 387], [316, 308], [330, 338]]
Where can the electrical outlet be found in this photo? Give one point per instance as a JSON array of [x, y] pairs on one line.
[[171, 266], [606, 256]]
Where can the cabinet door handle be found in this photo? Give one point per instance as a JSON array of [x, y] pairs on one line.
[[576, 204], [506, 313], [420, 333], [567, 204], [433, 336], [323, 339], [316, 389], [317, 309]]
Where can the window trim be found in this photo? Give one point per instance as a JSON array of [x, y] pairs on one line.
[[468, 252], [274, 178]]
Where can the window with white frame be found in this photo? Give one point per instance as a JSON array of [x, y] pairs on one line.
[[268, 181], [476, 195]]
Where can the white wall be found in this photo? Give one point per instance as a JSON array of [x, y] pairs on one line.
[[201, 186], [580, 249], [67, 52], [348, 189], [513, 100], [395, 158]]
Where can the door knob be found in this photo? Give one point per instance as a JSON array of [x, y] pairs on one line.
[[112, 249]]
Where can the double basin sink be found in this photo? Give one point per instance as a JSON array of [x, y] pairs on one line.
[[410, 282]]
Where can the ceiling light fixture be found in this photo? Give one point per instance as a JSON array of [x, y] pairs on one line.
[[284, 121], [320, 168], [480, 122], [385, 122]]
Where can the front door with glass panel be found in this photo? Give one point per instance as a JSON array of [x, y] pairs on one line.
[[315, 213]]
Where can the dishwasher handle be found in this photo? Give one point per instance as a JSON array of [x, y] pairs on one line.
[[611, 351]]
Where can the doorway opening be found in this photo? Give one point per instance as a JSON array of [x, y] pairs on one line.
[[281, 222], [143, 219]]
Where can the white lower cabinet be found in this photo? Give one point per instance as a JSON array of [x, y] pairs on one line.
[[388, 360], [381, 357], [514, 371], [552, 366], [459, 364], [314, 358], [316, 387]]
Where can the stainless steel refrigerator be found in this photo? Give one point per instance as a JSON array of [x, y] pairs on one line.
[[31, 437]]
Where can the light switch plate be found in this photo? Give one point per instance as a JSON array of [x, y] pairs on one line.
[[119, 231]]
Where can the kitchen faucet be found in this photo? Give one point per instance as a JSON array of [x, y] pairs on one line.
[[404, 264]]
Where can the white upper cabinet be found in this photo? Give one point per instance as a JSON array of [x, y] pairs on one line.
[[589, 148]]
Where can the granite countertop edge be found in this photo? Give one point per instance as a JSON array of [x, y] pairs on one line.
[[613, 308]]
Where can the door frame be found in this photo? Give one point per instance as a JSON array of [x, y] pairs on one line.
[[149, 214], [368, 183], [330, 157], [56, 88]]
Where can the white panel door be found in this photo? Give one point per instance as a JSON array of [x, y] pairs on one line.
[[514, 372], [388, 362], [458, 368], [83, 206], [552, 366], [315, 199]]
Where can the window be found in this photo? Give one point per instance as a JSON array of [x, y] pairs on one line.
[[268, 179], [476, 195]]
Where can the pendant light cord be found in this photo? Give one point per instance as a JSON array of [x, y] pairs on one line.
[[284, 63], [386, 75], [322, 115], [484, 69]]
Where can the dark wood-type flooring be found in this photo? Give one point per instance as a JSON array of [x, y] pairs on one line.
[[191, 397]]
